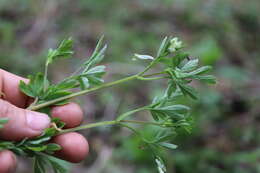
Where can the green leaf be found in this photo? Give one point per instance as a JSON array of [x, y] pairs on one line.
[[188, 90], [66, 84], [163, 47], [84, 83], [160, 165], [201, 70], [39, 165], [46, 136], [58, 165], [93, 80], [96, 56], [178, 58], [57, 94], [35, 87], [53, 147], [37, 148], [25, 89], [96, 70], [190, 65], [41, 161], [168, 145], [165, 135], [210, 79], [173, 111], [63, 51]]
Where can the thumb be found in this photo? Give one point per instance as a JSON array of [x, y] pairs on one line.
[[21, 123]]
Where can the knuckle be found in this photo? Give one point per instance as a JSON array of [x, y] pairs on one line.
[[5, 109]]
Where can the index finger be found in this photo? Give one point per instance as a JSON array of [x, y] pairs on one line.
[[9, 86]]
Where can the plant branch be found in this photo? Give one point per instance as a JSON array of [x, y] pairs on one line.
[[148, 67], [154, 74], [45, 77], [142, 122], [105, 85], [151, 78], [124, 115], [87, 126], [105, 123]]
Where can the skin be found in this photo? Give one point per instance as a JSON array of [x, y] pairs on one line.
[[12, 105]]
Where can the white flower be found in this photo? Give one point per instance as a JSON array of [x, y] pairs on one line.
[[175, 44], [144, 56]]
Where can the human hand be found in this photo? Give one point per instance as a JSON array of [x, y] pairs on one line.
[[24, 123]]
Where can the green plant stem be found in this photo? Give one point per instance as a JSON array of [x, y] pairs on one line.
[[154, 74], [124, 115], [45, 77], [34, 103], [109, 84], [87, 126], [147, 68], [151, 78], [141, 122], [105, 123], [105, 85]]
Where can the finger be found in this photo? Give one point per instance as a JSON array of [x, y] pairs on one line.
[[7, 162], [9, 85], [21, 123], [71, 114], [74, 147]]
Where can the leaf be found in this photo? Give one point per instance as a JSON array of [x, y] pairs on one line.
[[98, 46], [96, 70], [171, 111], [190, 65], [201, 70], [168, 145], [164, 135], [25, 89], [39, 165], [163, 47], [46, 136], [96, 56], [63, 51], [210, 79], [155, 115], [41, 161], [35, 87], [58, 165], [53, 147], [178, 58], [144, 56], [66, 84], [57, 94], [170, 89], [84, 83], [160, 165], [188, 90], [37, 148], [95, 80]]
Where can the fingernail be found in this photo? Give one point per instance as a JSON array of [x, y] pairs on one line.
[[37, 121]]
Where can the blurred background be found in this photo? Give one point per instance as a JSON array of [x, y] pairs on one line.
[[222, 33]]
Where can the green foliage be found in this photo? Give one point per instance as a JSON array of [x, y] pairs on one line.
[[63, 51], [175, 67], [221, 33], [41, 160]]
